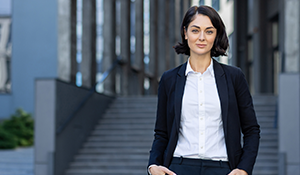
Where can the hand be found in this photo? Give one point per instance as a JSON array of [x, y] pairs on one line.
[[160, 170], [238, 172]]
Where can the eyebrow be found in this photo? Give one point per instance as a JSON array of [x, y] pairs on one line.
[[211, 27]]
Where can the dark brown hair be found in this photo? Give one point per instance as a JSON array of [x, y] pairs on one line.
[[221, 42]]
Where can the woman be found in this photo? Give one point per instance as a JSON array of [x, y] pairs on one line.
[[203, 106]]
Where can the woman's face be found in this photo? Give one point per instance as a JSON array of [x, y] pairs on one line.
[[200, 36]]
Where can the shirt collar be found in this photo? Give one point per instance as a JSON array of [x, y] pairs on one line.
[[190, 70]]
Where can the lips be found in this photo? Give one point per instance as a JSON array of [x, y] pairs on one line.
[[201, 45]]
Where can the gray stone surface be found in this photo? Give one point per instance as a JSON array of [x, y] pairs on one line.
[[17, 161], [291, 42], [289, 121]]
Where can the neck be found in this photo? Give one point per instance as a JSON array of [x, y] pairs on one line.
[[199, 64]]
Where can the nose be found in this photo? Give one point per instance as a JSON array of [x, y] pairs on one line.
[[201, 36]]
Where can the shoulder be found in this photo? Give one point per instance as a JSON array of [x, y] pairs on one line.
[[172, 73], [233, 74], [230, 69]]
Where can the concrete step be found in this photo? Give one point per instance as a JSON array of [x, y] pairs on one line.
[[107, 163], [124, 144], [128, 121], [121, 142], [144, 151], [119, 115], [267, 159], [133, 110], [127, 133], [105, 138], [107, 171], [121, 126], [18, 161], [265, 108], [113, 157]]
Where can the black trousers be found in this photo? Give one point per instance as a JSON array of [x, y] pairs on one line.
[[186, 166]]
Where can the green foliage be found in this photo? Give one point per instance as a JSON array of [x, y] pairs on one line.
[[17, 130], [7, 140]]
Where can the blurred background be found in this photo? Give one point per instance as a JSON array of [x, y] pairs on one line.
[[88, 71]]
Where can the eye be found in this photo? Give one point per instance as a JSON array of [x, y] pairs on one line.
[[195, 31], [209, 32]]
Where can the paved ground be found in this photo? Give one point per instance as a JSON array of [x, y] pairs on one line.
[[17, 162]]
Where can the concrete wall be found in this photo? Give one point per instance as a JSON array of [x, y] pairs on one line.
[[289, 121], [34, 53], [56, 101]]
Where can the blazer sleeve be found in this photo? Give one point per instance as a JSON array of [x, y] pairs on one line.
[[248, 122], [160, 131]]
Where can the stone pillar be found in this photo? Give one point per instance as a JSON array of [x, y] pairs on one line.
[[88, 64], [73, 41], [292, 43], [185, 6], [240, 29], [153, 64], [167, 36], [64, 40], [44, 126], [172, 39], [109, 35], [256, 42], [289, 90], [125, 45], [178, 19], [161, 34], [88, 42], [289, 121], [137, 78]]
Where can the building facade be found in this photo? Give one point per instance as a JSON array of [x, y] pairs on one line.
[[77, 41], [266, 47]]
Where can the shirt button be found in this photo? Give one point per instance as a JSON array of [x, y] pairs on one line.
[[201, 104], [201, 147], [201, 118], [200, 91], [200, 79]]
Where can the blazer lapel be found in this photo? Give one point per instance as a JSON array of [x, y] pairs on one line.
[[223, 92], [179, 89]]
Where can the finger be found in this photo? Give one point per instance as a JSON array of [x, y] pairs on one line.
[[232, 172], [169, 172]]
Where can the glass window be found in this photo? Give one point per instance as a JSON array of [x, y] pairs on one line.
[[0, 31], [216, 4], [5, 56], [201, 2]]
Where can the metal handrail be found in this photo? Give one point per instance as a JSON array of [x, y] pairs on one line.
[[88, 96]]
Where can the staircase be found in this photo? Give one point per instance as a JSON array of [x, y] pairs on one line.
[[121, 141], [267, 159]]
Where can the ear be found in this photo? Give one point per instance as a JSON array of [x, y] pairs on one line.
[[185, 36]]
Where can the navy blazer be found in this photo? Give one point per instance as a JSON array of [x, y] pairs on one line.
[[238, 116]]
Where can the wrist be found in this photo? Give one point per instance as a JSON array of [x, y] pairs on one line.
[[244, 172], [149, 172]]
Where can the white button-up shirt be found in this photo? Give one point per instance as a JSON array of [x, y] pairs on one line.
[[201, 132]]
